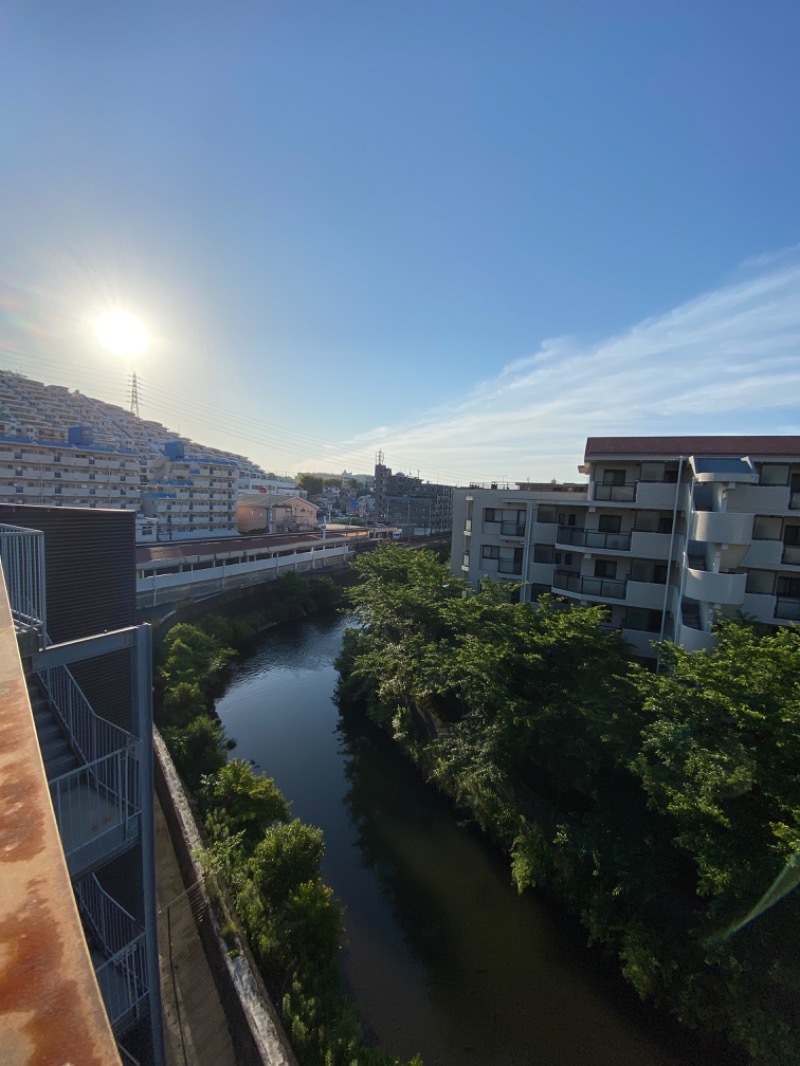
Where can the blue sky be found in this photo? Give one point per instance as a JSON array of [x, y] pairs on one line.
[[467, 233]]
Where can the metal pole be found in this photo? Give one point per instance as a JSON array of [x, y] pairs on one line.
[[669, 562], [142, 705]]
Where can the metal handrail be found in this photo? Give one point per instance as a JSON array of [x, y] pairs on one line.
[[22, 555], [111, 784], [112, 925], [92, 736], [123, 982]]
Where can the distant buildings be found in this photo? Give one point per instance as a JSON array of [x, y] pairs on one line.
[[669, 533], [410, 503], [275, 514], [61, 448]]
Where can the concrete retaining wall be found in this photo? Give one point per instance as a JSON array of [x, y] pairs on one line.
[[256, 1030]]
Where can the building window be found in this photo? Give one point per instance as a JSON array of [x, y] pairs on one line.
[[651, 472], [609, 523], [563, 558], [543, 553], [605, 568], [490, 551], [613, 477], [465, 560], [774, 474], [491, 514], [760, 582], [766, 527], [790, 587]]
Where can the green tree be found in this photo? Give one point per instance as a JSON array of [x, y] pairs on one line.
[[310, 483], [198, 749], [243, 801]]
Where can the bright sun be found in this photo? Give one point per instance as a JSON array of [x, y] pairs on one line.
[[122, 334]]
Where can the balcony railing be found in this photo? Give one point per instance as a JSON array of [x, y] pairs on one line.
[[123, 976], [586, 538], [791, 554], [622, 493], [606, 587], [787, 607], [509, 566], [22, 553], [512, 529], [794, 500]]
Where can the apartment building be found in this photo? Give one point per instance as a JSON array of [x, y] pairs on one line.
[[73, 472], [58, 447], [191, 495], [668, 533], [411, 503]]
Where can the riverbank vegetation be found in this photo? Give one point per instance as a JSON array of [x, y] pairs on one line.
[[270, 862], [659, 808]]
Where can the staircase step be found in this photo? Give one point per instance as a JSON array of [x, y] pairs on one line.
[[60, 764]]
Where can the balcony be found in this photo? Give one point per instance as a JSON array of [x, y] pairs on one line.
[[709, 587], [646, 545], [604, 588], [568, 536], [791, 554], [695, 639], [722, 527], [509, 566], [658, 495], [764, 555], [759, 499], [618, 493], [512, 529]]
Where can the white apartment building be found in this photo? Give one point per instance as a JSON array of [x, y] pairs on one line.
[[58, 446], [191, 495], [668, 533], [74, 472]]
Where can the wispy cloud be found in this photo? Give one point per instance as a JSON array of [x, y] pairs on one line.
[[725, 362]]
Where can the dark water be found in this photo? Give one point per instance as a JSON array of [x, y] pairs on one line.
[[442, 954]]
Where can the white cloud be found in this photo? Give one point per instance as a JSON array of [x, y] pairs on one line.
[[727, 361]]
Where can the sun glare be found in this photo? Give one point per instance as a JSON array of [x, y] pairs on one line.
[[122, 334]]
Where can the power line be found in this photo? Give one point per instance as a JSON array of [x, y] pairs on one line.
[[221, 420]]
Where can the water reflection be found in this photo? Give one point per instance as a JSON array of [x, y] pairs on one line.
[[442, 955]]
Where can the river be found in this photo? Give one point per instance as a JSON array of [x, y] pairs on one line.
[[442, 955]]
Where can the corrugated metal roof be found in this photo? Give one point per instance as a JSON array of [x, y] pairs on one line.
[[193, 549]]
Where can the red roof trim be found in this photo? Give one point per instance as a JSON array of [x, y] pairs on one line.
[[673, 447]]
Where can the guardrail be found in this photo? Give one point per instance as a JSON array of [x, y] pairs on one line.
[[22, 555]]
